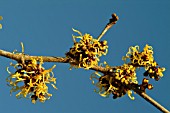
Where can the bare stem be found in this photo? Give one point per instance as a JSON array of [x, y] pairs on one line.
[[112, 21], [153, 102], [149, 99], [18, 57]]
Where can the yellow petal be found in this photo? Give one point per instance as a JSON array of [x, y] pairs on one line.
[[54, 86], [0, 26], [129, 92], [77, 31]]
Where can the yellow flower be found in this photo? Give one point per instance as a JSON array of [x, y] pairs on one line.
[[34, 78], [140, 59], [86, 51], [159, 71], [116, 82]]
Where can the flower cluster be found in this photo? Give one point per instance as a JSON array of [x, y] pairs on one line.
[[86, 51], [117, 81], [120, 80], [126, 74], [145, 59], [137, 58], [30, 80], [154, 71]]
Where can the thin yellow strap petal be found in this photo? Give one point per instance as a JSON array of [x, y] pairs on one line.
[[54, 86], [0, 26], [77, 31]]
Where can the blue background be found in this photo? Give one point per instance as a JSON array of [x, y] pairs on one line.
[[45, 28]]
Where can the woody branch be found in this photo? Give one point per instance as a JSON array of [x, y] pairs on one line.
[[113, 20]]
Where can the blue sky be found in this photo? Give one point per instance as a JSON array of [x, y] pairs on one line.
[[45, 28]]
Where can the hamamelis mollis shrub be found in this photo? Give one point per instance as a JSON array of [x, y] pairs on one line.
[[30, 79]]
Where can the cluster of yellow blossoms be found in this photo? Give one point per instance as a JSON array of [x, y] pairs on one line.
[[31, 79], [145, 59], [116, 82], [120, 78], [86, 51], [137, 58]]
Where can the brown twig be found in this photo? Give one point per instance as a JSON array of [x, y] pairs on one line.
[[18, 57], [112, 21], [153, 102], [149, 99]]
